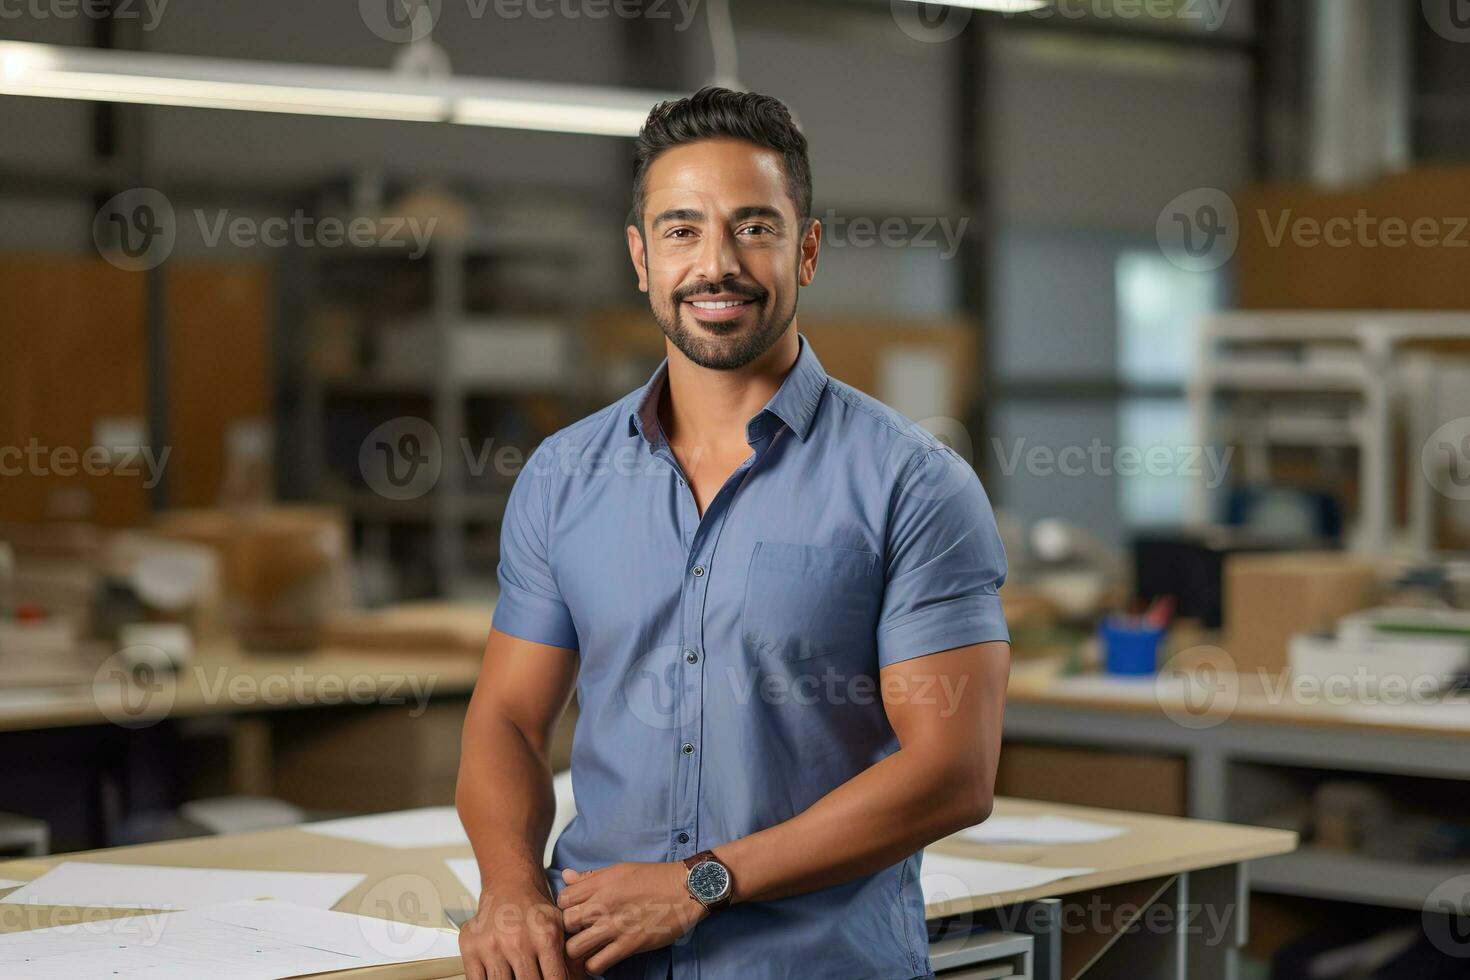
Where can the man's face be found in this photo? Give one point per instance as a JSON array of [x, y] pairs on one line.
[[722, 252]]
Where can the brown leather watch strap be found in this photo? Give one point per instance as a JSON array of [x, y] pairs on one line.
[[694, 859]]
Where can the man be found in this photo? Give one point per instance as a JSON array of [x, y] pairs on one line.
[[776, 599]]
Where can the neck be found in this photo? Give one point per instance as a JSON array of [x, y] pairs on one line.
[[707, 408]]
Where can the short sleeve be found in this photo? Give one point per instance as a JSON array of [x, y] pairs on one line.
[[945, 563], [530, 605]]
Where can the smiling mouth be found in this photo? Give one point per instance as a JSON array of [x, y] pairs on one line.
[[711, 310]]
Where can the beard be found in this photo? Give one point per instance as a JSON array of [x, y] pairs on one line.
[[735, 343]]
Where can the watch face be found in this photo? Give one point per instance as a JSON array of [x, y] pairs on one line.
[[709, 881]]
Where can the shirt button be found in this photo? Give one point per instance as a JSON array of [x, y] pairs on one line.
[[687, 748], [698, 571], [681, 481], [683, 838], [691, 657]]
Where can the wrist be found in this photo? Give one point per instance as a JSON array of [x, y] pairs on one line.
[[510, 875]]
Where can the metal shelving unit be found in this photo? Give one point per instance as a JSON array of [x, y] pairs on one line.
[[441, 389], [1373, 366]]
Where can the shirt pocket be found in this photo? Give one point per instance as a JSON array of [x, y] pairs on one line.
[[804, 601]]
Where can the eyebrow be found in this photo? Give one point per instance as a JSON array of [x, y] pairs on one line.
[[739, 214]]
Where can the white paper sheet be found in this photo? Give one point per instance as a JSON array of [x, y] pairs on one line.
[[430, 826], [944, 877], [235, 941], [9, 883], [1042, 829], [140, 886]]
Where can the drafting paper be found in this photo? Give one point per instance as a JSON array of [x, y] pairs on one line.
[[234, 941], [431, 826], [944, 877], [1043, 829], [139, 886]]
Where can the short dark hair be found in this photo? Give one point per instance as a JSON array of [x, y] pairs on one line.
[[713, 113]]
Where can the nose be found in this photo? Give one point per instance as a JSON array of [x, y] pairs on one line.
[[718, 259]]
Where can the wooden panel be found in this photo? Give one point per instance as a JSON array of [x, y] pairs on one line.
[[219, 368], [75, 350], [1364, 266], [1094, 777]]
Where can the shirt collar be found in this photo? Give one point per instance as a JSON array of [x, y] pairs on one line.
[[794, 403]]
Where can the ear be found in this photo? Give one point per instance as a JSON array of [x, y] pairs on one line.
[[638, 253], [811, 248]]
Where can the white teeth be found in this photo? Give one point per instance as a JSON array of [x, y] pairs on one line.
[[721, 305]]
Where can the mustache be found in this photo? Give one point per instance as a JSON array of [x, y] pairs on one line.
[[753, 293]]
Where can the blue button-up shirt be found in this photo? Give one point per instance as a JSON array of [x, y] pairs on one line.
[[729, 663]]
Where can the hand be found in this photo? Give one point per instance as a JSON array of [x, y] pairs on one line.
[[613, 912], [516, 934]]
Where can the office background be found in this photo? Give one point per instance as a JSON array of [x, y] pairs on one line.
[[1185, 280]]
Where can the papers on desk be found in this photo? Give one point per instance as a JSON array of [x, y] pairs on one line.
[[944, 877], [139, 886], [1041, 829], [233, 941], [9, 883], [430, 826]]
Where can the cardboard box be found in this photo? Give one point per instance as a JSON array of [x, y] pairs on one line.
[[1133, 781], [283, 569], [1271, 598]]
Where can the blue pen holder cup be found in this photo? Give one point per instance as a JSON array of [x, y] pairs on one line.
[[1128, 649]]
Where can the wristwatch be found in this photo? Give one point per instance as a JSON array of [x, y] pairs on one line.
[[709, 881]]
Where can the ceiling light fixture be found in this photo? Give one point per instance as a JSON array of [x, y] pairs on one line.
[[50, 71], [999, 6]]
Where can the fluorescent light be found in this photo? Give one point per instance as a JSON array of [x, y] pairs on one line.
[[999, 6], [602, 120], [160, 79]]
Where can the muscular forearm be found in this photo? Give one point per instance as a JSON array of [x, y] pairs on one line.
[[505, 800], [940, 781], [870, 822]]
